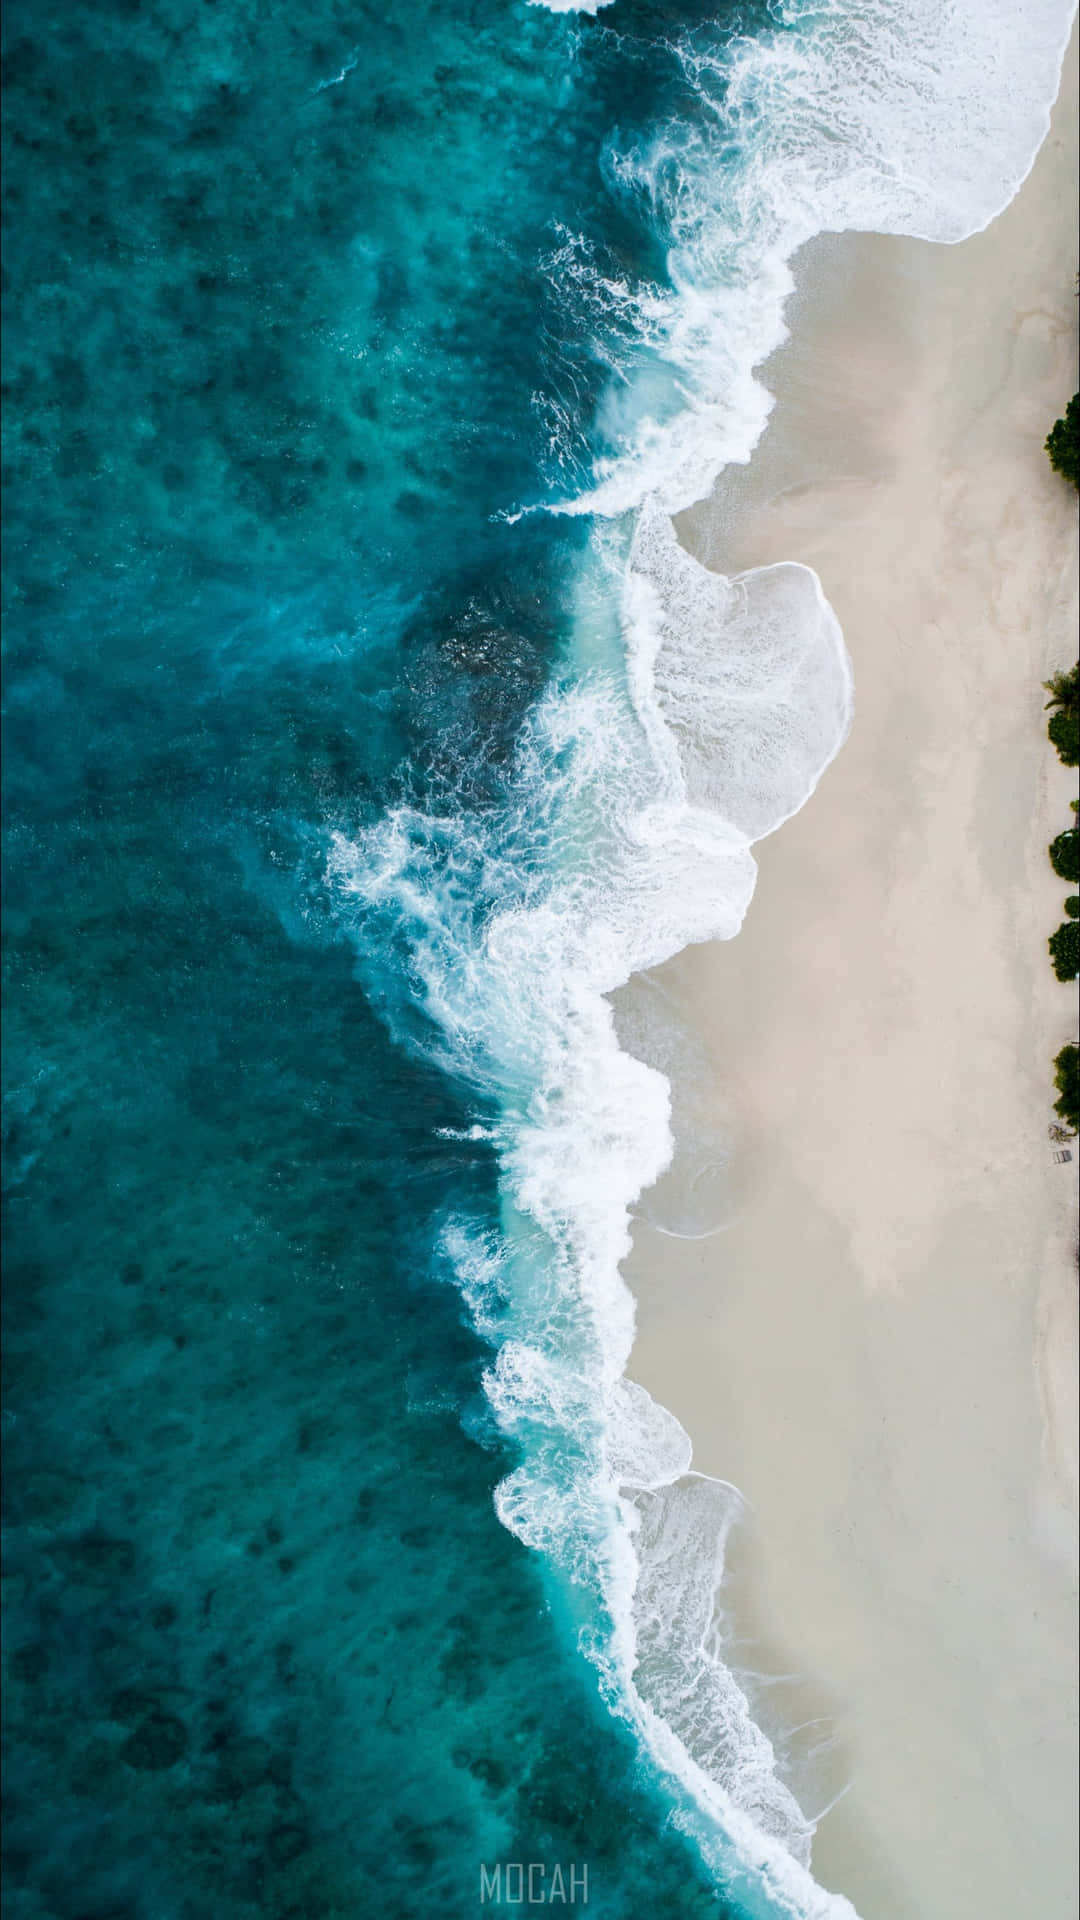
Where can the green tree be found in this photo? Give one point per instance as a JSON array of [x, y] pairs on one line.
[[1063, 443], [1065, 854], [1064, 688], [1064, 725], [1072, 906], [1067, 1082], [1064, 731], [1064, 948]]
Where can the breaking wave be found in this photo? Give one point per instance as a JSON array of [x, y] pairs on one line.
[[694, 714]]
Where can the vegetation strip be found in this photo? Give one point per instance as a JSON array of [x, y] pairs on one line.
[[1063, 729]]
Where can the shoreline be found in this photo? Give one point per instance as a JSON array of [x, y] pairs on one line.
[[875, 1339]]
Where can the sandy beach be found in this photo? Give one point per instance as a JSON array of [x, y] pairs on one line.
[[875, 1340]]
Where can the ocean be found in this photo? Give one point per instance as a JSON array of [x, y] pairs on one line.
[[366, 727]]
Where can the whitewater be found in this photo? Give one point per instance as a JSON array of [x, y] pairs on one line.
[[690, 716]]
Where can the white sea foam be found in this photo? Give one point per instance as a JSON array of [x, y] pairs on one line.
[[911, 117], [617, 842], [637, 791]]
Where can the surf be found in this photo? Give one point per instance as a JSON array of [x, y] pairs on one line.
[[690, 715]]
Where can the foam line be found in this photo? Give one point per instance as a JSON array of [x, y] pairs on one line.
[[628, 817]]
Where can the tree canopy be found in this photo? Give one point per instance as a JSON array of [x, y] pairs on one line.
[[1064, 688], [1064, 948], [1063, 443], [1064, 731], [1067, 1082], [1065, 855], [1063, 726]]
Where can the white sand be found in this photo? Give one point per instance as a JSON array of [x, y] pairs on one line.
[[878, 1346]]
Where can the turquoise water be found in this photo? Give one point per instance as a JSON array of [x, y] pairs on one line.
[[365, 726], [270, 352]]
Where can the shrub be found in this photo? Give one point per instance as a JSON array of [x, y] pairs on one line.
[[1064, 948], [1064, 731], [1065, 854], [1064, 727], [1063, 443], [1072, 906], [1067, 1082]]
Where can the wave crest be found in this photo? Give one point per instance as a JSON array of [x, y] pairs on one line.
[[694, 724]]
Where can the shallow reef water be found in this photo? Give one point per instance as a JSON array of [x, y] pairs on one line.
[[274, 316]]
